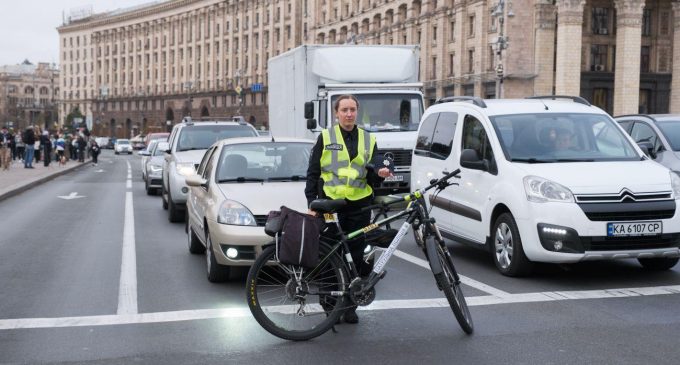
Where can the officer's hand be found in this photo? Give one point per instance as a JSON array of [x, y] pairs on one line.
[[384, 172], [311, 212]]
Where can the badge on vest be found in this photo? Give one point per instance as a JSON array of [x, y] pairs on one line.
[[334, 147]]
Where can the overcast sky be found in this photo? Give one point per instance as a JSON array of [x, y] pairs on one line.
[[28, 27]]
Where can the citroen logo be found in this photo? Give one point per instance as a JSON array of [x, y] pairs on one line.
[[627, 195]]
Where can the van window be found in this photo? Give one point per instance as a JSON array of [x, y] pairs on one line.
[[424, 140], [475, 138], [442, 140]]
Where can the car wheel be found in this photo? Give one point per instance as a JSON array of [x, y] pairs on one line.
[[149, 191], [659, 263], [508, 253], [164, 196], [116, 152], [174, 213], [195, 245], [216, 273]]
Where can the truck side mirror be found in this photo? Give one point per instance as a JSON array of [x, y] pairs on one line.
[[311, 123], [309, 111], [470, 159]]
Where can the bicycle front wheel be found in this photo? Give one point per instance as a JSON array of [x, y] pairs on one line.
[[294, 303], [451, 288]]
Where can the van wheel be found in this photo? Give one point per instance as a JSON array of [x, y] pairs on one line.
[[216, 273], [508, 253], [659, 263]]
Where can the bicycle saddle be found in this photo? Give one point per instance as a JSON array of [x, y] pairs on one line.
[[327, 205]]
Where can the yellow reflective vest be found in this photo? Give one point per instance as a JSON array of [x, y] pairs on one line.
[[345, 179]]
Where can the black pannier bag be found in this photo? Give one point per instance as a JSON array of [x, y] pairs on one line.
[[297, 236]]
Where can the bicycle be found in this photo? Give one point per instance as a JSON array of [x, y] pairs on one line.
[[299, 304]]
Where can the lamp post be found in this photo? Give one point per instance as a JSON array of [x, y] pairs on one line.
[[239, 89], [168, 125], [188, 86], [501, 42]]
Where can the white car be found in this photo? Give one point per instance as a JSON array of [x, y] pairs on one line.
[[546, 181], [122, 146], [154, 167], [146, 155], [238, 182]]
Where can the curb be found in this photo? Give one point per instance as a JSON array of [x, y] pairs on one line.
[[41, 181]]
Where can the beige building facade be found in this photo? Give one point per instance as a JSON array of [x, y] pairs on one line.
[[28, 95], [133, 70]]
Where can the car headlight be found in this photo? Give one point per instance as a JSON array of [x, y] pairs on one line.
[[540, 190], [185, 168], [675, 183], [232, 212], [155, 168]]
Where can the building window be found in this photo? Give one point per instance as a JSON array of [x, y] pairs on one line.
[[598, 57], [434, 68], [452, 31], [600, 21], [434, 34], [451, 57], [471, 61], [647, 22], [644, 59], [471, 29]]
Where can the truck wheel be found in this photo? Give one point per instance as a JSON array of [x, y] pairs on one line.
[[659, 263], [508, 253]]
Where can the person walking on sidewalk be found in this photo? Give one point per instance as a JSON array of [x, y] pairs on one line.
[[46, 145], [5, 152], [29, 140], [20, 146], [61, 146], [94, 150]]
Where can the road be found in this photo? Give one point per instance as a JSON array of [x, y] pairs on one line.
[[102, 277]]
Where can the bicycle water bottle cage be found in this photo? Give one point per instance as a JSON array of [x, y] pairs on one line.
[[327, 205]]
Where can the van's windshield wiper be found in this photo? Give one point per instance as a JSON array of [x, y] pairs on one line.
[[531, 160], [575, 160], [287, 178], [191, 149], [240, 179]]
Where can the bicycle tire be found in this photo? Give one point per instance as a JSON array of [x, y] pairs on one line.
[[453, 291], [276, 311]]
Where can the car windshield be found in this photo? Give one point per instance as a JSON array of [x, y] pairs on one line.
[[671, 130], [160, 148], [270, 161], [387, 112], [200, 137], [562, 137], [123, 141]]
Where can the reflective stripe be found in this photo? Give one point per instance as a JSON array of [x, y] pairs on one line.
[[344, 177]]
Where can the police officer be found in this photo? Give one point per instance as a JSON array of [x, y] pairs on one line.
[[338, 170]]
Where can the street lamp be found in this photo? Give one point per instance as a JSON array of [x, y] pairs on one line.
[[168, 125], [239, 89], [501, 42]]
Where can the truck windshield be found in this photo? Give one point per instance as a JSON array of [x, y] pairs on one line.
[[387, 112]]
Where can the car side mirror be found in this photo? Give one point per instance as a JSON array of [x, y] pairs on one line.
[[195, 180], [311, 123], [168, 151], [144, 153], [648, 148], [470, 159], [309, 110]]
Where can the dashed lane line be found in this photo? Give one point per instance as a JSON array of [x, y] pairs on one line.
[[244, 312], [127, 289]]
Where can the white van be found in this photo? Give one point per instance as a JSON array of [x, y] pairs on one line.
[[546, 180]]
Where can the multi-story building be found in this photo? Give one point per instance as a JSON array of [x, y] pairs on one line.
[[28, 95], [134, 69]]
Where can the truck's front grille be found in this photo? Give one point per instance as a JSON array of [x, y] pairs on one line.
[[401, 157]]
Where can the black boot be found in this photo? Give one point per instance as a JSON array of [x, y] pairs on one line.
[[350, 316]]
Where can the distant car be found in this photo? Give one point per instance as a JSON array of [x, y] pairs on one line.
[[102, 141], [122, 146], [237, 183], [657, 134], [153, 170], [146, 155], [159, 135], [138, 142], [110, 144], [188, 142]]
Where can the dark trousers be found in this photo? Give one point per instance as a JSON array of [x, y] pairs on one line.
[[94, 156], [351, 219]]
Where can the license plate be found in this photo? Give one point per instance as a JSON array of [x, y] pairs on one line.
[[395, 178], [634, 229]]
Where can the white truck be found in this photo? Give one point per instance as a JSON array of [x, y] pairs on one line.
[[305, 82]]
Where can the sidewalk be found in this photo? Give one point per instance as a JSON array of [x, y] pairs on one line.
[[19, 179]]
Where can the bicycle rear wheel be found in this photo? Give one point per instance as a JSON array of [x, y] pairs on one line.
[[284, 299], [454, 294]]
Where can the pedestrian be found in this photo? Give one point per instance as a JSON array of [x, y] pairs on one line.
[[5, 148], [29, 140], [36, 146], [13, 144], [61, 146], [20, 147], [94, 150], [47, 148], [81, 147], [338, 169]]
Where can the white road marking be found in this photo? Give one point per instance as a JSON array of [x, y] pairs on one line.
[[464, 279], [244, 312], [127, 289], [128, 183], [73, 195]]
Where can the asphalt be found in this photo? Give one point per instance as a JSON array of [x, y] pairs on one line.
[[18, 179]]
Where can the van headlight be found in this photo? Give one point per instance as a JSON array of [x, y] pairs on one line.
[[185, 168], [540, 190], [232, 212], [675, 184]]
